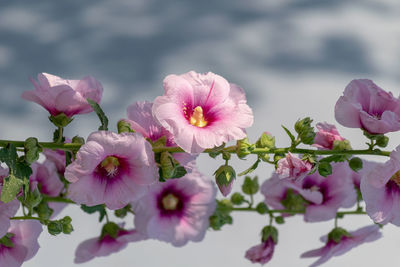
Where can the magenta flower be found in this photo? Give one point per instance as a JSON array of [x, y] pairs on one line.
[[177, 210], [111, 168], [380, 189], [7, 210], [58, 95], [202, 110], [24, 236], [140, 118], [322, 197], [347, 242], [106, 245], [326, 135], [57, 156], [365, 105], [261, 253], [293, 167]]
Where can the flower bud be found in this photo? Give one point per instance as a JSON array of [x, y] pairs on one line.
[[324, 168], [78, 140], [244, 148], [356, 164], [341, 145], [250, 186], [337, 234], [266, 141], [237, 198], [261, 208], [382, 141], [305, 130], [269, 232], [61, 120], [124, 127], [55, 228], [224, 177]]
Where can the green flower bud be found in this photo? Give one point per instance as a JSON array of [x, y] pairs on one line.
[[337, 234], [78, 140], [341, 145], [61, 120], [266, 141], [224, 177], [356, 164], [324, 168], [250, 186], [124, 127], [237, 198], [305, 130], [244, 148], [382, 141], [55, 228], [269, 232], [261, 208], [279, 220]]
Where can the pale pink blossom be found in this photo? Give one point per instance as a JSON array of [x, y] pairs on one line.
[[105, 245], [380, 189], [327, 134], [111, 168], [293, 167], [58, 157], [141, 120], [24, 236], [45, 177], [261, 253], [178, 210], [365, 105], [202, 110], [58, 95], [322, 196], [331, 249]]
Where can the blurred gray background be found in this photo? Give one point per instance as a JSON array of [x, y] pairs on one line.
[[293, 58]]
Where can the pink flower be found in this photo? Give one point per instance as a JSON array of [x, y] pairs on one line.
[[365, 105], [24, 236], [346, 243], [106, 245], [261, 253], [293, 167], [326, 135], [57, 156], [64, 96], [380, 189], [111, 168], [177, 210], [202, 110], [45, 177], [7, 210], [140, 118], [321, 197]]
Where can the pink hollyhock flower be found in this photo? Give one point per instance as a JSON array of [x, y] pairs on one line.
[[293, 167], [347, 242], [365, 105], [140, 118], [177, 210], [57, 156], [321, 196], [58, 95], [7, 210], [202, 110], [24, 236], [111, 168], [326, 135], [261, 253], [380, 189], [45, 177], [106, 245]]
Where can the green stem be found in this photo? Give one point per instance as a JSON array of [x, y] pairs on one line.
[[25, 218], [339, 213], [60, 135], [58, 199], [230, 149]]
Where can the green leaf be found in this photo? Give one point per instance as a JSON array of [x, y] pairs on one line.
[[294, 202], [250, 186], [98, 208], [32, 149], [100, 113], [215, 151], [251, 169], [9, 156], [11, 187], [292, 138]]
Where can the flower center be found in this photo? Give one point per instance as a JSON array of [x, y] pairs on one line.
[[170, 202], [197, 118], [396, 178], [110, 165]]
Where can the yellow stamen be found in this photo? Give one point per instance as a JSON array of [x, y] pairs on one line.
[[396, 178], [170, 202], [197, 118], [110, 164]]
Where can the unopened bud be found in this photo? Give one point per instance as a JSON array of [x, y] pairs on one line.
[[224, 177]]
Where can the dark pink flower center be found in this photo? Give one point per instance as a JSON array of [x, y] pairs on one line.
[[396, 178], [112, 167], [171, 202]]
